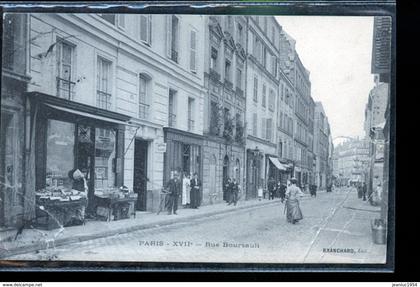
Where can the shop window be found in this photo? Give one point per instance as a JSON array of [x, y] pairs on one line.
[[60, 153], [105, 150]]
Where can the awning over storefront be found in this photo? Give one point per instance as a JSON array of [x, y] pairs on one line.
[[278, 164], [84, 114]]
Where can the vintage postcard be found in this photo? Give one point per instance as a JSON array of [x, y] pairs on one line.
[[195, 138]]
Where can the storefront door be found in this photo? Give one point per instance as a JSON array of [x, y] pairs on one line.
[[140, 174], [6, 162], [225, 177]]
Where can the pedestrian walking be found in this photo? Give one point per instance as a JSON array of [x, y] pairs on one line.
[[234, 192], [282, 191], [293, 212], [271, 185], [364, 191], [186, 190], [260, 192], [195, 191], [359, 190], [226, 190], [174, 188], [312, 190]]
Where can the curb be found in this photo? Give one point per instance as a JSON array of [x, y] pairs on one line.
[[75, 239]]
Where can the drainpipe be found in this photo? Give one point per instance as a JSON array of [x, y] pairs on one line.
[[245, 173]]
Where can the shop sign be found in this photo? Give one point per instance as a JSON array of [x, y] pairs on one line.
[[161, 147]]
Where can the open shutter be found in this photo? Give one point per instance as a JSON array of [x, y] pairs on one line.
[[143, 28], [168, 35], [150, 28], [193, 51]]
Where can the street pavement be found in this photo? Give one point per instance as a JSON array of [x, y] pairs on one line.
[[335, 229]]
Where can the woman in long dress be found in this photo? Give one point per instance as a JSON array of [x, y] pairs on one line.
[[186, 190], [293, 212]]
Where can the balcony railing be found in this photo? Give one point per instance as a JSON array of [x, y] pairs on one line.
[[228, 84], [239, 92], [172, 120], [191, 125], [174, 55], [103, 100], [214, 75], [143, 111], [65, 88]]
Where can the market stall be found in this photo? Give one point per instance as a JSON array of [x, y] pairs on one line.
[[60, 207], [115, 204]]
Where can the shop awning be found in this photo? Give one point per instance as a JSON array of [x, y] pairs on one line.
[[84, 114], [278, 164]]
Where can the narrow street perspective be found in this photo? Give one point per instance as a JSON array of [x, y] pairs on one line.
[[195, 138], [336, 228]]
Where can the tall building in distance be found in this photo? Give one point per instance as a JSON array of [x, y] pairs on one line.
[[322, 146]]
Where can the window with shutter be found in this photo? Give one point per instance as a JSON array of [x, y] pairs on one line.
[[255, 89], [103, 84], [193, 51], [263, 101], [145, 28], [263, 128], [254, 124], [121, 21], [168, 35]]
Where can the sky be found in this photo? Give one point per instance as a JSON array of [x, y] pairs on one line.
[[337, 52]]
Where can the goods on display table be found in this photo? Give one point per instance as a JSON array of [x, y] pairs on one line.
[[115, 204], [60, 207]]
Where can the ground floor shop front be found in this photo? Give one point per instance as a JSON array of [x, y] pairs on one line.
[[221, 161], [76, 163]]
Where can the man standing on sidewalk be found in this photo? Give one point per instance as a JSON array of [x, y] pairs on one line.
[[174, 188]]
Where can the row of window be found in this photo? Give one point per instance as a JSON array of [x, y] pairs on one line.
[[228, 70], [266, 127], [172, 35], [271, 99], [263, 55]]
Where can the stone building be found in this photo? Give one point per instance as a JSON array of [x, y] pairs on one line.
[[225, 64], [15, 203], [115, 88], [261, 102]]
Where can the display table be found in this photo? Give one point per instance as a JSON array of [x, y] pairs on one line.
[[52, 214], [120, 208]]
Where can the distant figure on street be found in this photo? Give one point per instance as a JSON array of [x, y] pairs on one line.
[[260, 192], [226, 190], [186, 190], [312, 190], [282, 190], [359, 190], [293, 212], [364, 191], [234, 192], [271, 185], [195, 191], [174, 188]]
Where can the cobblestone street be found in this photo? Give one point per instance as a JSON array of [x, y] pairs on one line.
[[337, 220]]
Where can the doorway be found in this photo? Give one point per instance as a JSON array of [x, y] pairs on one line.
[[6, 162], [140, 173]]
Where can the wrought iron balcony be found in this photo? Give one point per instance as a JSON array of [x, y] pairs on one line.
[[65, 88], [191, 126], [143, 111], [172, 120], [174, 55], [103, 100]]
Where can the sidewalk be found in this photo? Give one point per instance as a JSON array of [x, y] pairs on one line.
[[35, 239]]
